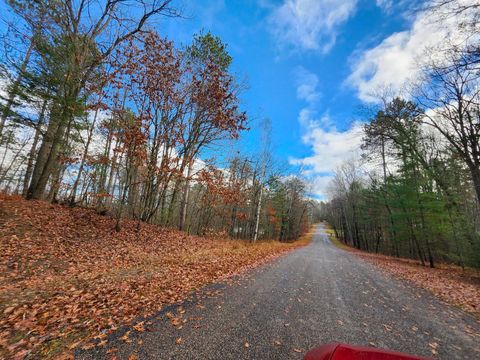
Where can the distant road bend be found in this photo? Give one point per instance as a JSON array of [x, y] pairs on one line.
[[314, 295]]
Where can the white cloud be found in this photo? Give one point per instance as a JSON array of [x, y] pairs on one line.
[[397, 60], [319, 186], [330, 148], [309, 24]]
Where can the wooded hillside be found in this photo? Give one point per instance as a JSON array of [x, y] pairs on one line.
[[69, 276], [100, 110]]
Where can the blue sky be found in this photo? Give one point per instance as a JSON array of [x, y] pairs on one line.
[[311, 66], [308, 69]]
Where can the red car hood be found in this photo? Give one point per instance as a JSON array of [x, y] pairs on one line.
[[336, 351]]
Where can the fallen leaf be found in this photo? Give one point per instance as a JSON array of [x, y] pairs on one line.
[[8, 310], [125, 337], [88, 346], [96, 285], [74, 345], [139, 326]]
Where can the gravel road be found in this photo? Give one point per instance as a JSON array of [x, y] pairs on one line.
[[314, 295]]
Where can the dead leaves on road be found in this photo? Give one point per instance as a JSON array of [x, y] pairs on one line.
[[450, 283], [140, 327], [70, 276], [125, 338], [433, 347]]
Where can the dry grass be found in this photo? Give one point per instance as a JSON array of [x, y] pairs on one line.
[[335, 241], [67, 276]]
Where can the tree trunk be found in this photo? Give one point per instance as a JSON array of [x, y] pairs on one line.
[[84, 158], [32, 154], [186, 192], [43, 154], [257, 215], [55, 183], [52, 159], [110, 189], [475, 171]]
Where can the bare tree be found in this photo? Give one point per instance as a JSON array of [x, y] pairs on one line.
[[264, 162], [453, 100]]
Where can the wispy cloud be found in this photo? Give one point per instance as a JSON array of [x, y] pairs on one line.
[[307, 85], [309, 24], [206, 12], [307, 90], [385, 4], [329, 147]]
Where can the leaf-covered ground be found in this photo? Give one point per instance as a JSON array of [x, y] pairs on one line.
[[450, 283], [67, 276]]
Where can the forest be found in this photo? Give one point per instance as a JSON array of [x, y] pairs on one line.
[[101, 111], [415, 191], [164, 168]]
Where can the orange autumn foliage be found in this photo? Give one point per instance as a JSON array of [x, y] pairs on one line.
[[67, 275]]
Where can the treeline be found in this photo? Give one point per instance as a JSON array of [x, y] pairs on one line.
[[421, 204], [99, 110], [417, 192]]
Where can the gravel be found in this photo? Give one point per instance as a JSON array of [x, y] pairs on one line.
[[312, 296]]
